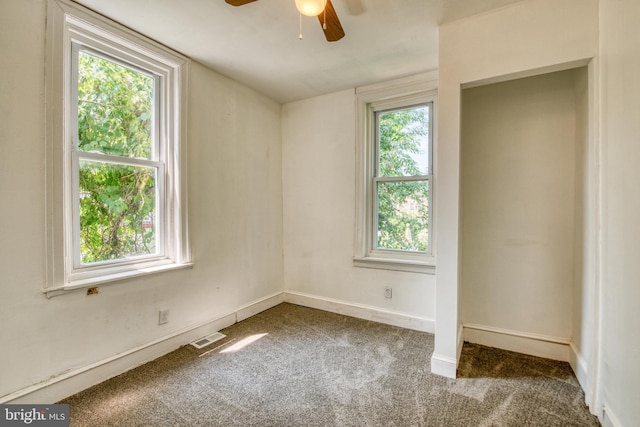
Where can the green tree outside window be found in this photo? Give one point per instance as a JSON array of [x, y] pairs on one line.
[[402, 188], [117, 206]]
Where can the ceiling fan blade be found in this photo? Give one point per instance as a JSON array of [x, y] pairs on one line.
[[334, 31], [238, 2]]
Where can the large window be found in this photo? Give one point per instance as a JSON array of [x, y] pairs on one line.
[[119, 189], [115, 142], [395, 178]]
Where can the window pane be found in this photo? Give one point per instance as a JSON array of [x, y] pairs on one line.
[[403, 142], [403, 216], [117, 211], [115, 108]]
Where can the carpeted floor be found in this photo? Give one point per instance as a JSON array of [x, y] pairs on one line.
[[295, 366]]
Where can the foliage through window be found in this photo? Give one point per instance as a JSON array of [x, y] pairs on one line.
[[116, 159], [394, 174], [402, 179], [116, 152]]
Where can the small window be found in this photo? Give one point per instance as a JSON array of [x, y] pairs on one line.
[[115, 152], [394, 211]]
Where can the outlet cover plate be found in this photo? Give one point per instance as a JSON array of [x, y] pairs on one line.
[[163, 317]]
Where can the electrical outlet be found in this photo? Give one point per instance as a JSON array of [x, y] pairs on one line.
[[388, 292], [163, 317]]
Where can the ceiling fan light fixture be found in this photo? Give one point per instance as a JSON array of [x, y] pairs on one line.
[[311, 7]]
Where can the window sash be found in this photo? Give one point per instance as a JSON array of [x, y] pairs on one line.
[[68, 25], [160, 216], [373, 243], [76, 266], [158, 96], [412, 90], [375, 110]]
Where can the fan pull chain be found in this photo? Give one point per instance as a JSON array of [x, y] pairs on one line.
[[300, 35], [324, 25]]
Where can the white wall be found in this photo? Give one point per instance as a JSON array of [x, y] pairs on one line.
[[518, 191], [235, 208], [620, 91], [585, 243], [520, 39], [318, 139], [235, 167]]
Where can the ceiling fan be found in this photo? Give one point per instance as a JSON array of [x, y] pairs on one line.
[[327, 16]]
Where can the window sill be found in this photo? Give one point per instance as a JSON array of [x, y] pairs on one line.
[[409, 265], [110, 278]]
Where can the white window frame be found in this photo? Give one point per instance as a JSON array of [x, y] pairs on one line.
[[70, 28], [406, 92]]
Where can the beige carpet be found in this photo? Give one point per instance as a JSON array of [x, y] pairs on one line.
[[295, 366]]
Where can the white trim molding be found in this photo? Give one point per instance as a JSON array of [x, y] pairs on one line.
[[556, 348], [361, 311], [447, 366], [71, 29], [395, 264], [609, 419], [579, 366], [444, 366], [417, 89], [75, 380]]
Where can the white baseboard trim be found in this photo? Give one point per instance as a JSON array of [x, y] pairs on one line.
[[579, 366], [259, 306], [609, 419], [361, 311], [443, 365], [448, 366], [76, 380], [460, 343], [521, 342]]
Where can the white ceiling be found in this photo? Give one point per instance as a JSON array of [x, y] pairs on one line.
[[257, 44]]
